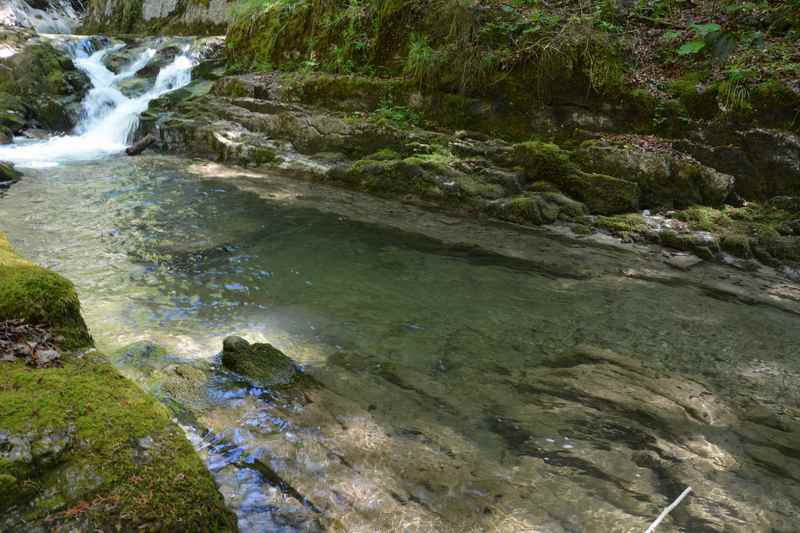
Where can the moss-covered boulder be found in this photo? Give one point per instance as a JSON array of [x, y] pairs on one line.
[[602, 194], [81, 447], [12, 112], [540, 161], [39, 85], [262, 363], [438, 177], [85, 449], [536, 208], [8, 172], [39, 296], [666, 178]]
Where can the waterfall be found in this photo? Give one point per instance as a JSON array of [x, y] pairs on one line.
[[58, 16], [109, 118]]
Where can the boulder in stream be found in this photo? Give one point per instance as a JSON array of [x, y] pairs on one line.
[[8, 173], [262, 363]]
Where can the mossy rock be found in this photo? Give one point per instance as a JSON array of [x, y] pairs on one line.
[[8, 173], [262, 363], [42, 81], [12, 112], [537, 208], [737, 244], [38, 296], [85, 449], [81, 447], [629, 223], [6, 135], [605, 195], [702, 244], [541, 161], [697, 97], [666, 179]]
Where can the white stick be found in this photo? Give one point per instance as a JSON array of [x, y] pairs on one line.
[[666, 511]]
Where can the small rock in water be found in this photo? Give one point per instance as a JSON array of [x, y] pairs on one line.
[[264, 364]]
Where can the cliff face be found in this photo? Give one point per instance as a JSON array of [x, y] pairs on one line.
[[167, 17]]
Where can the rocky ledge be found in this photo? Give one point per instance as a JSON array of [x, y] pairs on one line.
[[368, 134]]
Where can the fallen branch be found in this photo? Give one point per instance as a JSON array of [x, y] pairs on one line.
[[666, 511], [139, 146]]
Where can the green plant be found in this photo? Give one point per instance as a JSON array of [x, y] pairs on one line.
[[734, 92], [398, 116], [422, 60], [698, 44]]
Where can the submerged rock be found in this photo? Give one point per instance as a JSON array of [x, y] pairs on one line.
[[261, 362]]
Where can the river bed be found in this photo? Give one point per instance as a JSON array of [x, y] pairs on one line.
[[452, 398]]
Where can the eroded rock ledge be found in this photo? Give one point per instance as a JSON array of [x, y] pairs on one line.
[[338, 130]]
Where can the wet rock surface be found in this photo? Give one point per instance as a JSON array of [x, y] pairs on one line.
[[600, 442], [436, 397], [262, 363]]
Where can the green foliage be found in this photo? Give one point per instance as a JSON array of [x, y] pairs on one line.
[[698, 44], [692, 47], [399, 116], [734, 93], [422, 61]]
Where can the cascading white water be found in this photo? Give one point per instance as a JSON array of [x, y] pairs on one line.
[[59, 16], [109, 117]]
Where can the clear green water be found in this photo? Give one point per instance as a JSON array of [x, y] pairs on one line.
[[443, 336]]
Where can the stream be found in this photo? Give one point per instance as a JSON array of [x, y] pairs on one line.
[[451, 397]]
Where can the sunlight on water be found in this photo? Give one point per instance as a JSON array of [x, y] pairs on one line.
[[434, 359]]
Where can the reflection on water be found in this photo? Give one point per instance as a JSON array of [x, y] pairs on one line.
[[438, 346]]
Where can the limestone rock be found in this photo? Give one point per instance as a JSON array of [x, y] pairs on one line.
[[666, 179]]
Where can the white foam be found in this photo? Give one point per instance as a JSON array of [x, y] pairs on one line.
[[109, 117]]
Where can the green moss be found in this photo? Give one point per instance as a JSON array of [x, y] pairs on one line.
[[38, 296], [699, 245], [737, 244], [536, 208], [102, 476], [82, 424], [703, 218], [384, 154], [261, 156], [602, 194], [698, 97], [581, 229], [541, 160], [231, 87], [264, 364], [627, 223]]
